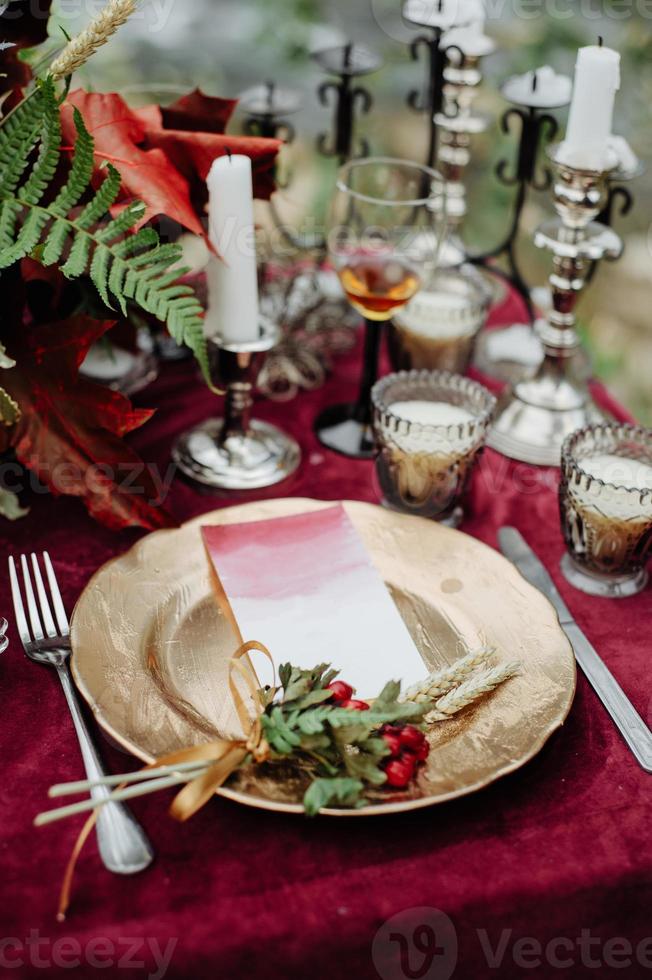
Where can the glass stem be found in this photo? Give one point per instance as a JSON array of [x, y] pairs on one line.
[[372, 339]]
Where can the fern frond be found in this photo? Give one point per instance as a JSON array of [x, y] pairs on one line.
[[56, 242], [103, 200], [77, 263], [123, 265], [19, 134], [123, 223], [45, 167], [81, 170]]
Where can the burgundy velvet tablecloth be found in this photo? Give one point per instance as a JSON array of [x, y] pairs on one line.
[[546, 873]]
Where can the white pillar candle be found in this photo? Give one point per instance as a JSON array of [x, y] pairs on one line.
[[233, 278], [597, 79]]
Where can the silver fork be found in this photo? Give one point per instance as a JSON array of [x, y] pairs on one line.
[[123, 846]]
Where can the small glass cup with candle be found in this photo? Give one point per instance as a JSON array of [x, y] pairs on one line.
[[430, 428], [437, 330], [605, 498]]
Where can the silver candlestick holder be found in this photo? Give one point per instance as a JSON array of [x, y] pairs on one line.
[[237, 452], [457, 124], [536, 415]]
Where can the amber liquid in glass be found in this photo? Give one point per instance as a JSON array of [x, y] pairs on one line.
[[378, 286]]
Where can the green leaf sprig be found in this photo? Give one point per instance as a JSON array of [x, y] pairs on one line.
[[339, 747]]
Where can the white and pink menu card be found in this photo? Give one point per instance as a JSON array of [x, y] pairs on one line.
[[305, 587]]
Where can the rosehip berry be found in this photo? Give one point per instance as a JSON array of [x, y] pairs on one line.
[[411, 738], [388, 729], [354, 705], [340, 690], [393, 743], [399, 772]]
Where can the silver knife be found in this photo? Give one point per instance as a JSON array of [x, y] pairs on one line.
[[628, 721]]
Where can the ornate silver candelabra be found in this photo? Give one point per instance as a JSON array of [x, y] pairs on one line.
[[237, 452], [536, 415]]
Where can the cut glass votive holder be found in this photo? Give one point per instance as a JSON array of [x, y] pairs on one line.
[[437, 330], [605, 498], [430, 429]]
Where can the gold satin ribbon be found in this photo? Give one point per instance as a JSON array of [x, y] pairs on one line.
[[223, 757]]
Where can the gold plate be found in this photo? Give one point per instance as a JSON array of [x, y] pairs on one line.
[[151, 650]]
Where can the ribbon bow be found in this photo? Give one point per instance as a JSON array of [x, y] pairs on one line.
[[222, 758]]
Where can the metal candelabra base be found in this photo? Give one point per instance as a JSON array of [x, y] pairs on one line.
[[236, 452], [535, 417], [260, 457]]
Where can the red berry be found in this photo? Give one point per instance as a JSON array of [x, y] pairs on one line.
[[423, 752], [354, 705], [393, 743], [340, 690], [399, 772], [411, 738], [388, 729]]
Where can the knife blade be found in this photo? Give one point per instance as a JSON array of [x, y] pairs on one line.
[[628, 721]]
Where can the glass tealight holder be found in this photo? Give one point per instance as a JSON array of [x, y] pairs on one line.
[[430, 428], [605, 498], [437, 330]]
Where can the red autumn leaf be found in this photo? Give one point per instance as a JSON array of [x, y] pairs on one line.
[[70, 432], [191, 132], [194, 153], [199, 113], [167, 168], [147, 174], [23, 24]]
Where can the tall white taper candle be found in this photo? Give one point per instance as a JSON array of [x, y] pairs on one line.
[[597, 79], [232, 279]]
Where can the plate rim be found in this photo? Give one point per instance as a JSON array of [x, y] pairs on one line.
[[372, 809]]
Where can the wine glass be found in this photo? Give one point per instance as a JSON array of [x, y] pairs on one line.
[[387, 223]]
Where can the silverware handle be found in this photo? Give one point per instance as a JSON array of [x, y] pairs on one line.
[[123, 846], [628, 721]]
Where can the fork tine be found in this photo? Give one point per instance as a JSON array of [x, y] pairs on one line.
[[57, 601], [46, 615], [19, 609], [32, 608]]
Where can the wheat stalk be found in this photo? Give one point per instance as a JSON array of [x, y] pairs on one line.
[[481, 683], [80, 48], [444, 680]]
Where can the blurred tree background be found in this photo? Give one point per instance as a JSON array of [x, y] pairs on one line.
[[226, 46]]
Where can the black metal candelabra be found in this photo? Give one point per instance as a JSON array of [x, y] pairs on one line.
[[536, 129], [266, 107], [430, 100], [348, 62]]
